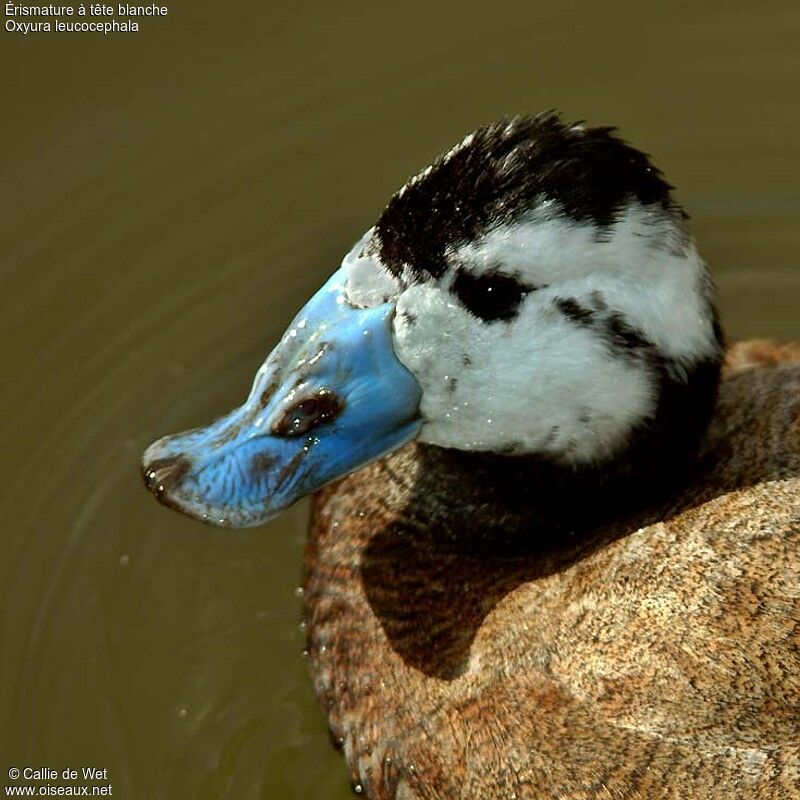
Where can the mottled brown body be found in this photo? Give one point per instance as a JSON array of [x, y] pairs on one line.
[[471, 638]]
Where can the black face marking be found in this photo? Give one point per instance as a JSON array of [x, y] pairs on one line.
[[669, 437], [466, 360], [452, 384], [573, 310], [491, 295], [624, 337], [503, 171], [411, 319], [309, 413], [619, 336]]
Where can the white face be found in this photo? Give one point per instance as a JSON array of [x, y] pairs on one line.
[[567, 371]]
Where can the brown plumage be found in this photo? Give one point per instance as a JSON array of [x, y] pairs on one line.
[[468, 640]]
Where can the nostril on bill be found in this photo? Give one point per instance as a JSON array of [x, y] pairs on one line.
[[164, 473], [308, 413]]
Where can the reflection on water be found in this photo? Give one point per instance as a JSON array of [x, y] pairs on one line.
[[169, 200]]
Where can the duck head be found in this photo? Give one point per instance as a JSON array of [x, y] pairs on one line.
[[534, 292]]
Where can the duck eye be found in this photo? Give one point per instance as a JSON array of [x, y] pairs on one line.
[[491, 295], [308, 413]]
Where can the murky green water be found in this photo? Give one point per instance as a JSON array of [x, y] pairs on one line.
[[168, 200]]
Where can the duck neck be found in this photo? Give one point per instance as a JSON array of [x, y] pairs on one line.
[[504, 498]]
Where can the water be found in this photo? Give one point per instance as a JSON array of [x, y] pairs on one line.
[[169, 200]]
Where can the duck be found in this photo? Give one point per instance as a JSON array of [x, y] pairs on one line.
[[554, 542]]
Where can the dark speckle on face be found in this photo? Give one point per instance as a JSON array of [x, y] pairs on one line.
[[466, 360], [409, 318], [551, 435], [452, 384]]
